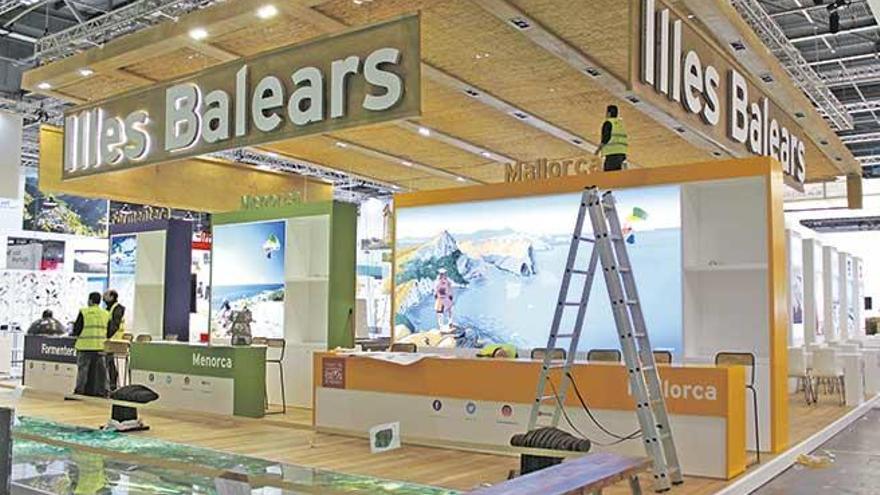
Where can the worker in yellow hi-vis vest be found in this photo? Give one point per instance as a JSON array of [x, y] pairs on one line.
[[115, 331], [614, 144], [90, 330]]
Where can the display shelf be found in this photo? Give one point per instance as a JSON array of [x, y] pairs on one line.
[[308, 279], [726, 267]]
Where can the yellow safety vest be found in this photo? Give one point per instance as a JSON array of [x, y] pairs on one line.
[[121, 330], [617, 145], [94, 331], [489, 350]]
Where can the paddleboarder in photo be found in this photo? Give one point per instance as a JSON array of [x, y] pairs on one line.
[[443, 298]]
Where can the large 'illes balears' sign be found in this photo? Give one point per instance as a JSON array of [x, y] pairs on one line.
[[360, 77], [708, 90]]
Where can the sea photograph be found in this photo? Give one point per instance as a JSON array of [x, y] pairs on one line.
[[471, 274], [248, 273]]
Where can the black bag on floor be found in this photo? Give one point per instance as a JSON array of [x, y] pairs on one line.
[[134, 393]]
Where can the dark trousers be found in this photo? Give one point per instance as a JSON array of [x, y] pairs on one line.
[[614, 162], [112, 373], [91, 373]]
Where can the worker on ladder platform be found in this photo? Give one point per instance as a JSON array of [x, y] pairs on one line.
[[614, 140]]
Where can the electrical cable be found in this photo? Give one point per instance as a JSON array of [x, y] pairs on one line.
[[589, 412], [575, 428]]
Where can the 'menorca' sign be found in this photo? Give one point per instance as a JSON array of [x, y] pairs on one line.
[[360, 77]]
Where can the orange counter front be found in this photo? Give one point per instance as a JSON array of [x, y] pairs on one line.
[[480, 403]]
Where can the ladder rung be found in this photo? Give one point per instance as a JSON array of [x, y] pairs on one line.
[[546, 397], [571, 303], [624, 269], [580, 272], [632, 302], [564, 335], [585, 239]]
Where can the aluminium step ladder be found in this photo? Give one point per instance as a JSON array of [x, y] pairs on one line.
[[609, 249]]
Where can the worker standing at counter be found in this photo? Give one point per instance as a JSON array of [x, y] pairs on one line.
[[90, 330], [115, 330]]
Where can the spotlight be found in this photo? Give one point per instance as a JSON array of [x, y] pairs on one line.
[[834, 22]]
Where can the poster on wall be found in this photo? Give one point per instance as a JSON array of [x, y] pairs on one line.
[[818, 290], [123, 265], [850, 297], [62, 213], [797, 279], [249, 274], [90, 256], [25, 294], [465, 280], [201, 289], [34, 254]]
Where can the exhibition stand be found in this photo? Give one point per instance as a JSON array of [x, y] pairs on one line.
[[217, 379], [293, 267], [149, 267], [479, 404], [708, 253], [50, 364]]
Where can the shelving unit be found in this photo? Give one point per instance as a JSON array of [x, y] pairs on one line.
[[726, 290], [727, 268], [319, 274]]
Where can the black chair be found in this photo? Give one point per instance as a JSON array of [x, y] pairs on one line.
[[556, 354], [403, 347], [604, 355], [663, 357], [745, 359]]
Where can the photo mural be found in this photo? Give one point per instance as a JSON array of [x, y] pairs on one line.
[[62, 213], [123, 266], [248, 273], [469, 274]]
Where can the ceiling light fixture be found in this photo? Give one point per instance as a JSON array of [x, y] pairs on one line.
[[424, 131], [341, 144], [198, 33], [44, 86], [460, 179], [407, 163], [86, 72], [485, 154], [267, 11]]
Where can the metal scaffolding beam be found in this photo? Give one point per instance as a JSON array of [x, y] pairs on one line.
[[867, 137], [794, 63], [99, 30]]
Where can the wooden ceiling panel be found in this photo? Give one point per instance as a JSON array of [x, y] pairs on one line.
[[407, 144], [427, 183], [98, 86], [185, 60], [372, 11], [322, 150], [468, 119], [487, 172], [598, 28], [266, 35]]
